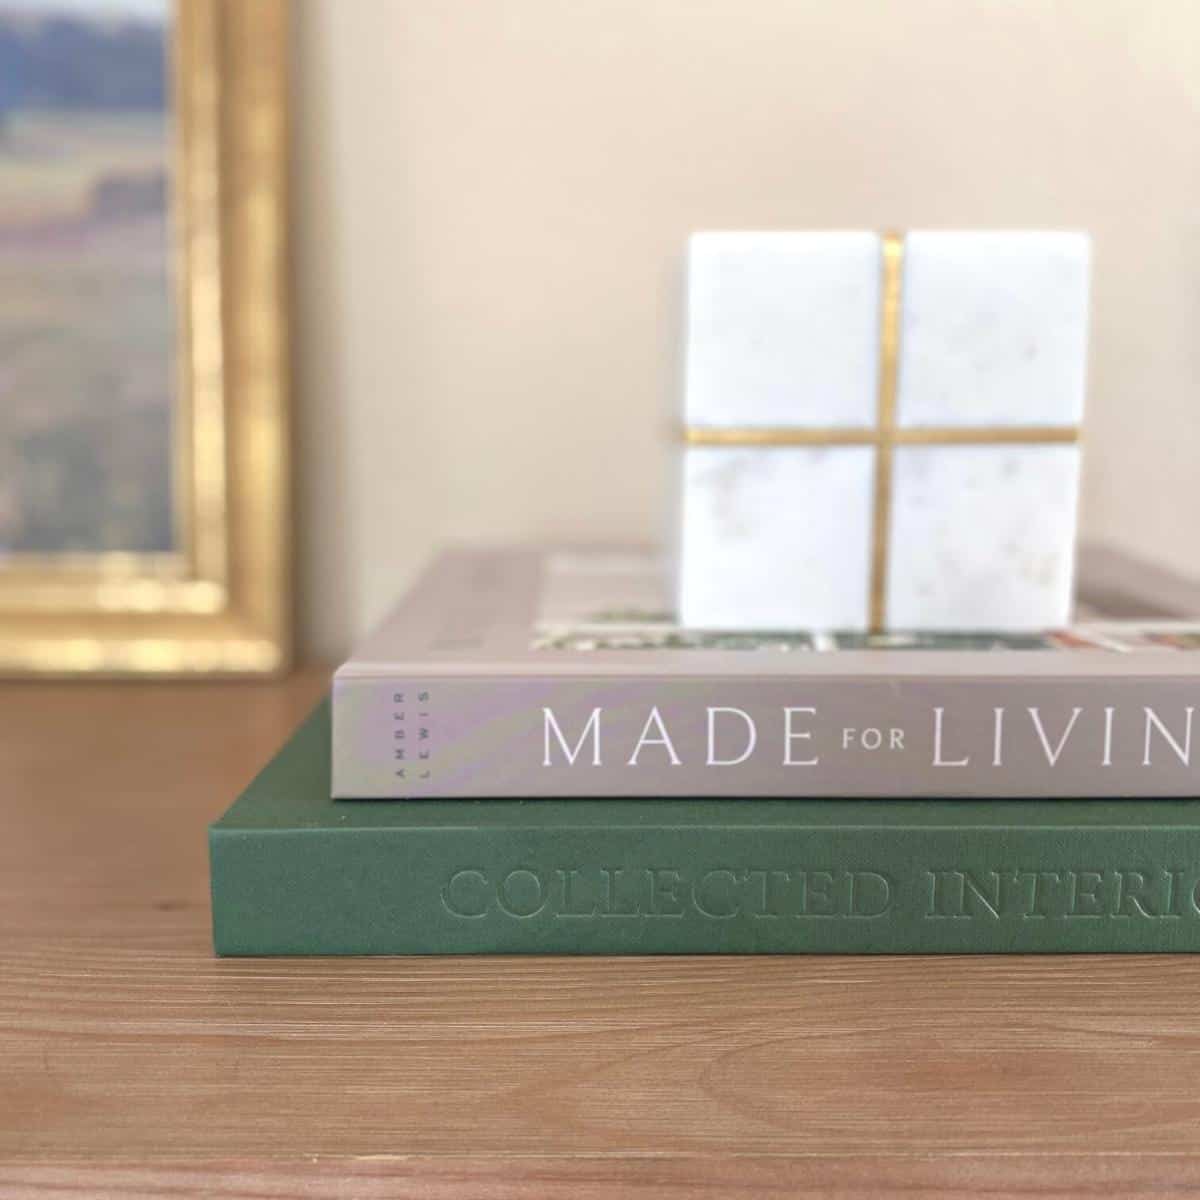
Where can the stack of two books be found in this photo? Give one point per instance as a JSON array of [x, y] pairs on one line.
[[530, 757]]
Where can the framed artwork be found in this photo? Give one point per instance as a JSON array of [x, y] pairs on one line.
[[144, 434]]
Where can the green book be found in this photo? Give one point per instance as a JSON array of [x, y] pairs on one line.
[[294, 872]]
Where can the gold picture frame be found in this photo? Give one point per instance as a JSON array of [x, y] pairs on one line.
[[218, 604]]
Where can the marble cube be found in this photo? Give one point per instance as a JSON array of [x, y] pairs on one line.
[[826, 489]]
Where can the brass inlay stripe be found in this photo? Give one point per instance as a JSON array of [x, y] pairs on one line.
[[789, 436], [889, 363], [999, 435], [974, 435]]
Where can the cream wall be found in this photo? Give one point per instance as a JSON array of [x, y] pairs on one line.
[[492, 197]]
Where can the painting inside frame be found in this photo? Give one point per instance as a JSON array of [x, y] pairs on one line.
[[144, 410], [87, 313]]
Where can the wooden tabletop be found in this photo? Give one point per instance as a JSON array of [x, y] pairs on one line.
[[134, 1062]]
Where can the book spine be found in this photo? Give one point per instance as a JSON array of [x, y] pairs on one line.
[[919, 736], [708, 889]]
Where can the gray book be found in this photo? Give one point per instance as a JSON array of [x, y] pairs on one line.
[[525, 673]]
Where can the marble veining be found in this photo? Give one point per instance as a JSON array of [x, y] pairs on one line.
[[783, 329], [776, 537], [982, 537], [993, 329]]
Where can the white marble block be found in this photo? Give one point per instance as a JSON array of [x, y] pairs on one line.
[[822, 490]]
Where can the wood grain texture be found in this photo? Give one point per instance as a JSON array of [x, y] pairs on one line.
[[133, 1062]]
